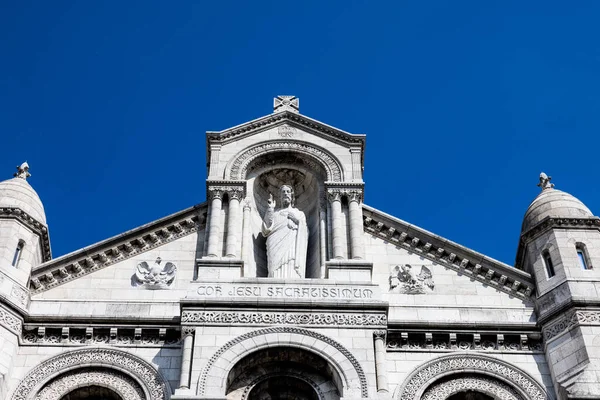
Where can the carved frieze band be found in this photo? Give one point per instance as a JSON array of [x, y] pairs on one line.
[[238, 168], [569, 320], [282, 318], [143, 371], [471, 268], [90, 261], [351, 194], [446, 342], [10, 321], [484, 365], [35, 226], [571, 223], [118, 336]]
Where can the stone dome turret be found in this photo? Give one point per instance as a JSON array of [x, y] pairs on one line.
[[18, 193], [553, 203]]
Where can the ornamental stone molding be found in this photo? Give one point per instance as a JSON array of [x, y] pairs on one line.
[[451, 255], [569, 320], [237, 168], [10, 321], [421, 379], [32, 224], [212, 381], [147, 377], [283, 318], [118, 249], [217, 189], [491, 387], [118, 382], [122, 336], [273, 120]]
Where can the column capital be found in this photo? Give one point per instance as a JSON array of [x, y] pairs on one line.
[[379, 334], [187, 331], [234, 189], [334, 195]]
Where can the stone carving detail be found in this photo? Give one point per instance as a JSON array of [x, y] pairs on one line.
[[19, 294], [143, 371], [155, 276], [22, 171], [495, 388], [283, 318], [10, 321], [287, 237], [35, 226], [286, 131], [446, 365], [237, 169], [571, 319], [286, 103], [124, 386], [405, 341], [404, 279], [545, 181], [282, 329], [102, 335]]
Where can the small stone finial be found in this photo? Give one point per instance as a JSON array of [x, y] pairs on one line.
[[545, 182], [286, 103], [22, 171]]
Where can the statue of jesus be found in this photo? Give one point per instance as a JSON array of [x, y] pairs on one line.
[[287, 237]]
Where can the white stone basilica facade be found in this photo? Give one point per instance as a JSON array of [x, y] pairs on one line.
[[285, 285]]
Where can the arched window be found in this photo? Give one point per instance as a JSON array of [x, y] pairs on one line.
[[582, 256], [18, 252], [548, 264]]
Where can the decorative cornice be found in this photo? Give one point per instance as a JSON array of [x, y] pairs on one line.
[[509, 342], [275, 119], [443, 367], [122, 336], [451, 255], [144, 373], [571, 319], [283, 318], [117, 249], [31, 223]]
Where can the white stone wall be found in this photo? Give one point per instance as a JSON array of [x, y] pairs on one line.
[[10, 233], [8, 350]]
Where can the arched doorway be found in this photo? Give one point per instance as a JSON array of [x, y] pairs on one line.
[[469, 395], [92, 393], [283, 373], [283, 388]]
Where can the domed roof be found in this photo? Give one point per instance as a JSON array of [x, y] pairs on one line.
[[17, 192], [553, 203]]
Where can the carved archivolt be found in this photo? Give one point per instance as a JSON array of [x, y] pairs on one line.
[[154, 387], [212, 380], [122, 385], [493, 388], [423, 376], [236, 170]]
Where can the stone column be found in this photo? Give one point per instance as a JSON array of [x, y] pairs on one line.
[[323, 239], [246, 238], [186, 357], [214, 225], [380, 364], [231, 248], [357, 245], [335, 198]]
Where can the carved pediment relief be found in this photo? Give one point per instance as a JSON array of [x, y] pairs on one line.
[[407, 279], [154, 276]]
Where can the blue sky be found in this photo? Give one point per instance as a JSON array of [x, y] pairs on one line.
[[463, 103]]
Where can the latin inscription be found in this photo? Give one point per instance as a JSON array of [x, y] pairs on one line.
[[288, 292]]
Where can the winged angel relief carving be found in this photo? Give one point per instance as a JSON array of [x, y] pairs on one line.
[[155, 276], [404, 279]]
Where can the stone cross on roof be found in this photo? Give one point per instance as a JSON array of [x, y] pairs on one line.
[[545, 182], [286, 103], [22, 171]]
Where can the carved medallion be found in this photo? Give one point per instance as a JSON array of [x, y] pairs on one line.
[[404, 279], [155, 276]]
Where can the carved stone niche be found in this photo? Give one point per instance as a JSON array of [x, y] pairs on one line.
[[265, 176]]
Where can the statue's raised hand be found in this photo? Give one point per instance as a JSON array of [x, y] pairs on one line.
[[271, 202]]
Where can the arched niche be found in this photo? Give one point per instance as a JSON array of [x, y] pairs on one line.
[[127, 375], [264, 176], [92, 392], [282, 373], [445, 376]]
